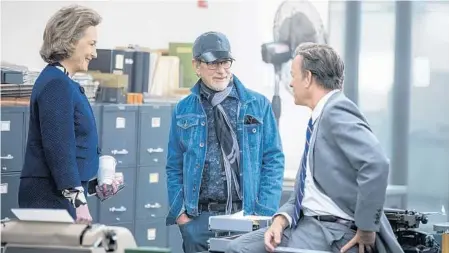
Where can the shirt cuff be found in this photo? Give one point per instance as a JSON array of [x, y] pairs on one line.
[[288, 217], [75, 196], [183, 210]]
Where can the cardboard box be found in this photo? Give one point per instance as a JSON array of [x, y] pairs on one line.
[[110, 80], [187, 73]]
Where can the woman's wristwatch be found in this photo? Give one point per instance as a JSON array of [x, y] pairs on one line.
[[75, 196]]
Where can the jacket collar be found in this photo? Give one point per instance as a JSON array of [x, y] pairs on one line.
[[244, 96], [61, 68]]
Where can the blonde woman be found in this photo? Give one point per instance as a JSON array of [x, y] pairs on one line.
[[62, 152]]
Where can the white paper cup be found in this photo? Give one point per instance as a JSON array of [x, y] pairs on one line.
[[106, 170]]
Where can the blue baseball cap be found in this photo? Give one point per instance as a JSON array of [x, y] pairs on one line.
[[212, 46]]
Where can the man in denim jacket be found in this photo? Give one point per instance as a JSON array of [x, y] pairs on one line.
[[224, 151]]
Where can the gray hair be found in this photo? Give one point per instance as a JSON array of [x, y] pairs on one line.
[[323, 62], [64, 29]]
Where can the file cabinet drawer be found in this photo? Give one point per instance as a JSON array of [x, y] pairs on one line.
[[120, 208], [9, 188], [12, 127], [151, 234], [151, 195], [119, 135], [154, 127]]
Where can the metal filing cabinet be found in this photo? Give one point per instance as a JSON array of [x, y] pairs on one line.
[[9, 189], [12, 128], [153, 233], [151, 190], [119, 135], [137, 136], [154, 125], [119, 139]]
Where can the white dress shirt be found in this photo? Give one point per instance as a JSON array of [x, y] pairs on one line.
[[315, 202]]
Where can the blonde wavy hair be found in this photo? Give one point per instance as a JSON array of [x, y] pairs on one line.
[[64, 29]]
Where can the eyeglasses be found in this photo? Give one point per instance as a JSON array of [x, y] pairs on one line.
[[214, 65]]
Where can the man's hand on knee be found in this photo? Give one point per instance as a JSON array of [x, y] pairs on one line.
[[273, 235], [365, 239]]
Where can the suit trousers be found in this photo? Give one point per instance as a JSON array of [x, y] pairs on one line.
[[310, 234]]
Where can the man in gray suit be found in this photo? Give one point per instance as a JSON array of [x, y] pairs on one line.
[[337, 204]]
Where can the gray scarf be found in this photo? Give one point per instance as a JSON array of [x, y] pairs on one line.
[[227, 140]]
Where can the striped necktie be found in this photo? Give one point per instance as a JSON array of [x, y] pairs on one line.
[[302, 175]]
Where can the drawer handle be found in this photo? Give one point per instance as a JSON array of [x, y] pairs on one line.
[[8, 157], [119, 152], [155, 150], [120, 209], [150, 206]]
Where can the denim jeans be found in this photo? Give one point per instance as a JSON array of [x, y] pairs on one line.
[[195, 233]]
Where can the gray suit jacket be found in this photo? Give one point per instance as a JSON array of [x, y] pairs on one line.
[[349, 166]]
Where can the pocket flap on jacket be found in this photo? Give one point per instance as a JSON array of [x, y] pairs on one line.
[[187, 122]]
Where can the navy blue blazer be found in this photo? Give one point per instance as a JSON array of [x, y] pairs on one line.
[[62, 141]]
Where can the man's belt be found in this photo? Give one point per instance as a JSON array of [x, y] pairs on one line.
[[332, 218], [219, 207]]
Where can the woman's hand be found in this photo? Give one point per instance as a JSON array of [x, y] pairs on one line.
[[106, 191], [83, 215]]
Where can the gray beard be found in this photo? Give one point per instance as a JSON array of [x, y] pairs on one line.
[[215, 88]]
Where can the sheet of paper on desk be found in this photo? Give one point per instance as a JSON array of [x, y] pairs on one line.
[[239, 215], [48, 215]]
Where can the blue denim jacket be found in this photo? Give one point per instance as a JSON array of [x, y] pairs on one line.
[[261, 155]]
